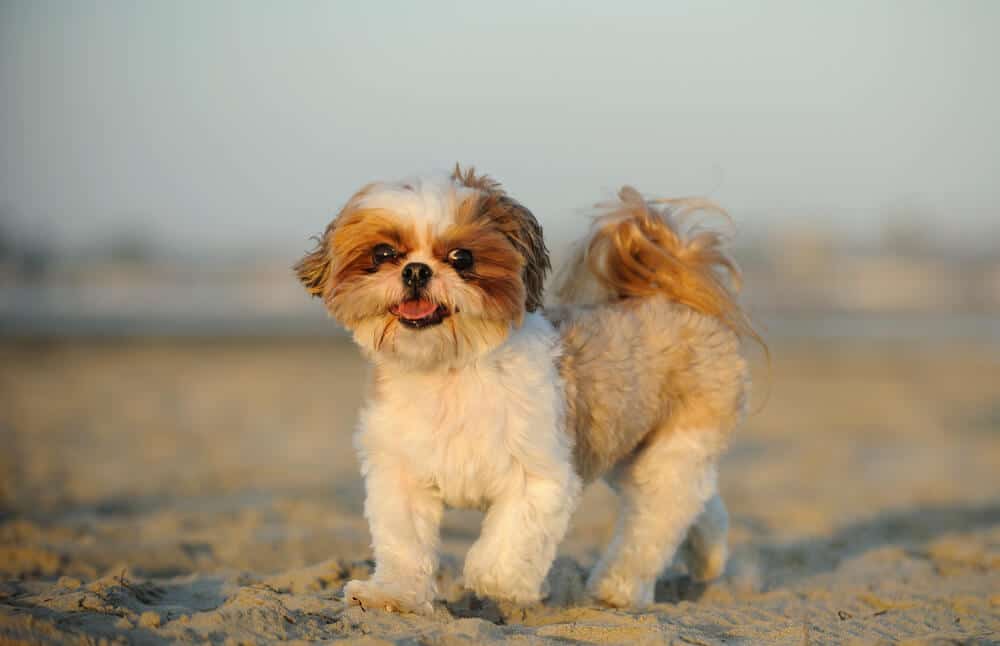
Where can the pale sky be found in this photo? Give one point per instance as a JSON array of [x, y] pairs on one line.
[[245, 125]]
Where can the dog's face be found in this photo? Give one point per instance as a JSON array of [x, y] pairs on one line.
[[431, 272]]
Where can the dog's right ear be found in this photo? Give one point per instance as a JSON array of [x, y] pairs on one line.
[[314, 268]]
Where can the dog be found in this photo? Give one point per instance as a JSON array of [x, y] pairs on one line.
[[481, 398]]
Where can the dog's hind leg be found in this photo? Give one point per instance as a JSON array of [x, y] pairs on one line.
[[663, 488], [706, 549]]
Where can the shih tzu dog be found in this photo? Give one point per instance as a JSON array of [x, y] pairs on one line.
[[483, 399]]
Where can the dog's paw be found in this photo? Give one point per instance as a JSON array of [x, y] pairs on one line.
[[618, 593], [708, 565], [488, 577], [391, 597]]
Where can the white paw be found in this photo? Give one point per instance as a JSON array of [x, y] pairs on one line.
[[487, 576], [620, 593], [389, 596]]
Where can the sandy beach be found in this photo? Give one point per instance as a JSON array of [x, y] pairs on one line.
[[206, 492]]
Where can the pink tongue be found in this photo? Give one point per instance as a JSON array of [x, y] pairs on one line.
[[416, 309]]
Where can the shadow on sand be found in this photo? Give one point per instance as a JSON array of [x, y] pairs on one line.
[[785, 563]]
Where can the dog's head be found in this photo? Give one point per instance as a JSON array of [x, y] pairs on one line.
[[430, 272]]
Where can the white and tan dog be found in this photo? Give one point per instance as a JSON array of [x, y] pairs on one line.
[[483, 400]]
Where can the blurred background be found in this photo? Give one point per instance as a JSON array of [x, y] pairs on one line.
[[170, 394], [163, 164]]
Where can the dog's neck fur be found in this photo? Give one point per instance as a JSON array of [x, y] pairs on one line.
[[472, 429]]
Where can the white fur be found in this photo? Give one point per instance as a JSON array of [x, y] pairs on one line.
[[430, 201], [488, 435], [476, 416], [663, 489]]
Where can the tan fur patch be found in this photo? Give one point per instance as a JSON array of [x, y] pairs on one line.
[[639, 249], [658, 348], [519, 226], [641, 367], [313, 270], [497, 267], [357, 233], [316, 269]]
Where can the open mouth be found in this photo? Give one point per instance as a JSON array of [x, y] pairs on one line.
[[419, 312]]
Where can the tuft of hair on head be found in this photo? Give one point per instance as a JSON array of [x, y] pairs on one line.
[[469, 178], [638, 248], [519, 226]]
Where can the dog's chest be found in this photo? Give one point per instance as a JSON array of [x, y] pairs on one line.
[[477, 432], [459, 438]]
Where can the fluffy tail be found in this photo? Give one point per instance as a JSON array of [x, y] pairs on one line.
[[641, 247]]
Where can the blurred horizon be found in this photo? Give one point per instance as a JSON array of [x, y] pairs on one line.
[[170, 161]]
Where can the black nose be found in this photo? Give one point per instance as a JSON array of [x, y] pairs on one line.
[[416, 274]]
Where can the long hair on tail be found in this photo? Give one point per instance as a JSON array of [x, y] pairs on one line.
[[639, 247]]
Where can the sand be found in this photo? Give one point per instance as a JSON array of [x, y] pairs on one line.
[[206, 491]]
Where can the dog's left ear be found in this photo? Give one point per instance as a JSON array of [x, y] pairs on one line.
[[314, 268], [524, 232], [521, 228]]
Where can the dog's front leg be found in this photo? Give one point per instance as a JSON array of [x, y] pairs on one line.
[[404, 516], [521, 532]]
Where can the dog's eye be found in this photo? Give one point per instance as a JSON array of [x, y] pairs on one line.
[[460, 259], [383, 252]]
